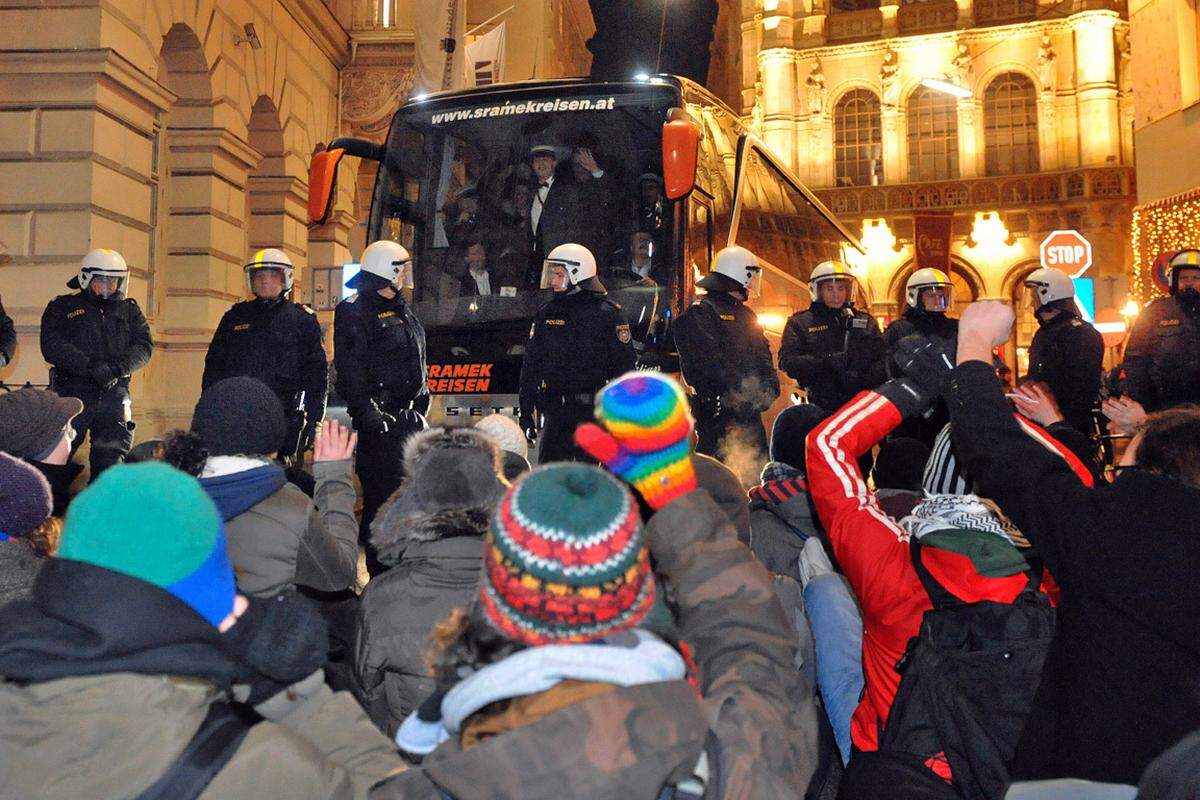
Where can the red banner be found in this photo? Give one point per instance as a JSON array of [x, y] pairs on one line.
[[931, 234]]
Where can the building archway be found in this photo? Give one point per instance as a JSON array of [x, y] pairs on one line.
[[967, 286], [274, 217]]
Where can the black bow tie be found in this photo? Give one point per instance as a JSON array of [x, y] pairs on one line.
[[544, 185]]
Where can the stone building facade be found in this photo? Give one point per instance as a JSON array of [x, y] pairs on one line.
[[181, 136], [1040, 140]]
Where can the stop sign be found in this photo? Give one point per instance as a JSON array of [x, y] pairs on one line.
[[1067, 251]]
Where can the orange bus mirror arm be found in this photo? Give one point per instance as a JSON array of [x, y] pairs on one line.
[[680, 151], [322, 184]]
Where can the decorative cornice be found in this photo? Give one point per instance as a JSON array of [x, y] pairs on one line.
[[318, 21]]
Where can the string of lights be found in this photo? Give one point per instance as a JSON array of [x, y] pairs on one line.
[[1166, 225]]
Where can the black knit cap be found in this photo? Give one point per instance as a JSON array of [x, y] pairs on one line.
[[239, 416], [790, 431]]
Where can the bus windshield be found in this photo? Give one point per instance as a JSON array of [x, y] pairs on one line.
[[480, 189]]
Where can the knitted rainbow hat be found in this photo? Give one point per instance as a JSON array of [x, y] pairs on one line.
[[648, 414], [565, 561], [154, 523]]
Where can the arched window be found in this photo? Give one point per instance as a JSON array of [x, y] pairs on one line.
[[932, 135], [857, 139], [1010, 122]]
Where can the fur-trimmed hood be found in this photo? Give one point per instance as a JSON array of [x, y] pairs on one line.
[[454, 480]]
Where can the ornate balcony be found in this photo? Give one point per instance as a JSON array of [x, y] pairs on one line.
[[1004, 12], [927, 16], [982, 194], [853, 26]]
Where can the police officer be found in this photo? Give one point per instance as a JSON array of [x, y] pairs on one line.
[[832, 349], [1162, 359], [578, 343], [8, 338], [725, 357], [94, 340], [928, 294], [279, 343], [379, 358], [1067, 354]]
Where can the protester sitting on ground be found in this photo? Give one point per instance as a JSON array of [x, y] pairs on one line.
[[514, 447], [35, 426], [1122, 681], [118, 661], [429, 535], [570, 653], [28, 534], [781, 516], [278, 537], [897, 473], [965, 547]]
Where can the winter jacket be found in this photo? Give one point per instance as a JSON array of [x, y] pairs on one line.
[[627, 742], [873, 551], [106, 679], [723, 352], [278, 537], [781, 519], [19, 567], [833, 353], [8, 338], [1068, 355], [1162, 359], [81, 332], [60, 477], [433, 568], [1121, 683], [378, 354]]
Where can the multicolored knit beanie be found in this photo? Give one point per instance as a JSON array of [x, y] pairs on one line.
[[156, 524], [565, 560], [646, 437]]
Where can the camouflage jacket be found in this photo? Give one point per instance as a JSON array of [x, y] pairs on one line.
[[627, 744]]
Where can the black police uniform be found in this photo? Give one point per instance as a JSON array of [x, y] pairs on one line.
[[379, 358], [1068, 355], [8, 338], [725, 358], [930, 324], [1162, 359], [279, 343], [578, 343], [94, 345], [834, 353]]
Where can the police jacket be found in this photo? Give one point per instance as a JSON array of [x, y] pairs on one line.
[[578, 343], [723, 352], [1068, 354], [833, 353], [81, 332], [378, 353], [279, 343], [1162, 359], [8, 337]]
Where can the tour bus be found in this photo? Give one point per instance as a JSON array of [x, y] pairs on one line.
[[659, 159]]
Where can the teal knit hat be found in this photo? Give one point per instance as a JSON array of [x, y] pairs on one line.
[[156, 524]]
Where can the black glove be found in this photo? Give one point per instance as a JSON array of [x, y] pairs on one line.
[[422, 403], [924, 362], [375, 421], [529, 428], [408, 421], [278, 641], [103, 374]]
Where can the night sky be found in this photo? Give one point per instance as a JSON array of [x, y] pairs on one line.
[[626, 40]]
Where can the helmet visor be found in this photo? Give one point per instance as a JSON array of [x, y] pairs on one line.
[[556, 274], [754, 285], [936, 298]]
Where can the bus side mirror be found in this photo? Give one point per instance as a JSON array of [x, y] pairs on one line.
[[322, 184], [680, 150]]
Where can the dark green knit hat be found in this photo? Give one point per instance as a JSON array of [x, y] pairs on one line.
[[156, 524], [565, 560]]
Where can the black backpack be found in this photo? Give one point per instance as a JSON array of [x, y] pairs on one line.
[[967, 683]]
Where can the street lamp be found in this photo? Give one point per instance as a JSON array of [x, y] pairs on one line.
[[946, 86]]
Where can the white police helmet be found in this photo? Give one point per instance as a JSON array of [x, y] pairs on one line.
[[1050, 285], [576, 259], [271, 258], [101, 262], [926, 278], [386, 259], [828, 271]]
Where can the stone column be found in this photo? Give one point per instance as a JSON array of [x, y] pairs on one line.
[[894, 167], [970, 144], [780, 100], [1096, 86], [1047, 132]]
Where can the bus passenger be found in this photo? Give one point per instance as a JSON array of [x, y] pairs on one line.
[[638, 263], [725, 358], [568, 207], [479, 279], [578, 343]]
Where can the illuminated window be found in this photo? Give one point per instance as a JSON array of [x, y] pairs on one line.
[[1010, 122], [857, 139], [932, 135]]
